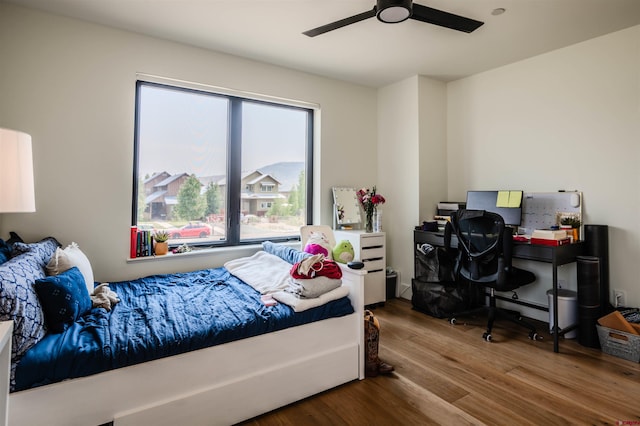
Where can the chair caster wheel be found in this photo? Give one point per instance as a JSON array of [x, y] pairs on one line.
[[534, 336], [452, 321], [486, 336]]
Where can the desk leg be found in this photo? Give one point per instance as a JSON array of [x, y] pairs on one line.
[[556, 328]]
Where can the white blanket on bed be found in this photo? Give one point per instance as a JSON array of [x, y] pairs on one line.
[[269, 274], [263, 271], [300, 304]]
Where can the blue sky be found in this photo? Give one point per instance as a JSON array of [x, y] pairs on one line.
[[186, 132]]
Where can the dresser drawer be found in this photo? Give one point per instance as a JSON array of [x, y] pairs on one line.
[[369, 248], [374, 288], [373, 241], [372, 253], [374, 278], [374, 264]]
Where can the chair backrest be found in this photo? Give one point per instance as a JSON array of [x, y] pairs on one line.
[[481, 240]]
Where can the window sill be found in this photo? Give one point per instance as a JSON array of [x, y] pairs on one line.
[[237, 251], [197, 252]]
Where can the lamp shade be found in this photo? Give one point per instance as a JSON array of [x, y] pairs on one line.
[[16, 172]]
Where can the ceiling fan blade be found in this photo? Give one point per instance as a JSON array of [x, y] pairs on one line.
[[444, 19], [341, 23]]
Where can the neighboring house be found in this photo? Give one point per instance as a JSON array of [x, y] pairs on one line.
[[161, 194], [259, 191], [287, 172]]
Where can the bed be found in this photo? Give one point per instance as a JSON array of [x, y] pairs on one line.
[[239, 378]]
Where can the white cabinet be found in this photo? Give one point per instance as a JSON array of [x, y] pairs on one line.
[[369, 248]]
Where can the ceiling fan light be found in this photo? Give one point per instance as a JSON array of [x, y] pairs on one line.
[[393, 11]]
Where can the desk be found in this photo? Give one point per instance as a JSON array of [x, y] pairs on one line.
[[555, 255]]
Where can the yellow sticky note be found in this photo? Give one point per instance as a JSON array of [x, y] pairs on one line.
[[503, 199], [515, 198]]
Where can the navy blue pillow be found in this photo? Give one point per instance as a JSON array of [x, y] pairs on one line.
[[64, 299], [5, 252]]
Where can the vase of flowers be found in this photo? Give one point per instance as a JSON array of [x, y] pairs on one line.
[[369, 200]]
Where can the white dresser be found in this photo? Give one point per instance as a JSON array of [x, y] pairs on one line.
[[369, 248]]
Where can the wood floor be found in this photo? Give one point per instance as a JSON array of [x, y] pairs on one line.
[[448, 375]]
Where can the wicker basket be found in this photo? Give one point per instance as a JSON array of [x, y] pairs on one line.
[[619, 343]]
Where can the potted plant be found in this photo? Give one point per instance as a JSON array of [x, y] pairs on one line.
[[572, 225], [160, 246]]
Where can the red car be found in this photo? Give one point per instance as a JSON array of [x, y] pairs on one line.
[[191, 230]]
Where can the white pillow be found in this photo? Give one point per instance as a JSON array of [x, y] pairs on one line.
[[68, 258]]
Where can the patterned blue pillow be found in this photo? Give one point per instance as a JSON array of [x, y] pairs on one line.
[[285, 253], [44, 248], [18, 299], [5, 252], [64, 298]]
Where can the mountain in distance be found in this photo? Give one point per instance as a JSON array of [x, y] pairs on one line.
[[287, 172]]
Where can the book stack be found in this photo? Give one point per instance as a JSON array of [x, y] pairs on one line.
[[141, 243], [550, 237], [445, 208], [442, 221]]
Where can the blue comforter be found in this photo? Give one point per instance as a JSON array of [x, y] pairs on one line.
[[159, 316]]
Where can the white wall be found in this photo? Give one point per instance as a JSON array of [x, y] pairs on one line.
[[398, 176], [412, 164], [70, 85], [569, 119], [433, 146]]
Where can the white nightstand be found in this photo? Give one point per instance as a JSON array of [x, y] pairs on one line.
[[369, 248]]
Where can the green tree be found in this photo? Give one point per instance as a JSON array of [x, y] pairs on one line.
[[293, 201], [277, 208], [302, 192], [214, 198], [141, 200], [191, 204]]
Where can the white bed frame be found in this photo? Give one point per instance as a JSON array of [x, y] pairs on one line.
[[223, 384]]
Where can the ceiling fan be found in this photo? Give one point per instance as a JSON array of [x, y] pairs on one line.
[[394, 11]]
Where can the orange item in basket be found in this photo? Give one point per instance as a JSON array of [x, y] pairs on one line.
[[616, 321]]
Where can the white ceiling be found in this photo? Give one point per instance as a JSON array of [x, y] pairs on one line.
[[369, 52]]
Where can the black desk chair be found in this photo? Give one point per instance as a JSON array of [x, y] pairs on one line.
[[484, 258]]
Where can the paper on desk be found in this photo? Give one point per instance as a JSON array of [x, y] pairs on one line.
[[509, 199], [448, 206]]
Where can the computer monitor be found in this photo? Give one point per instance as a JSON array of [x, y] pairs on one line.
[[487, 200]]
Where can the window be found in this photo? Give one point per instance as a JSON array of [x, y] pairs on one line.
[[267, 187], [218, 169]]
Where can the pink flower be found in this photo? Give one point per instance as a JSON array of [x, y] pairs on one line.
[[369, 200], [377, 199]]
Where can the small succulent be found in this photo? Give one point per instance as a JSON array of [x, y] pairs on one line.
[[573, 221], [161, 236]]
